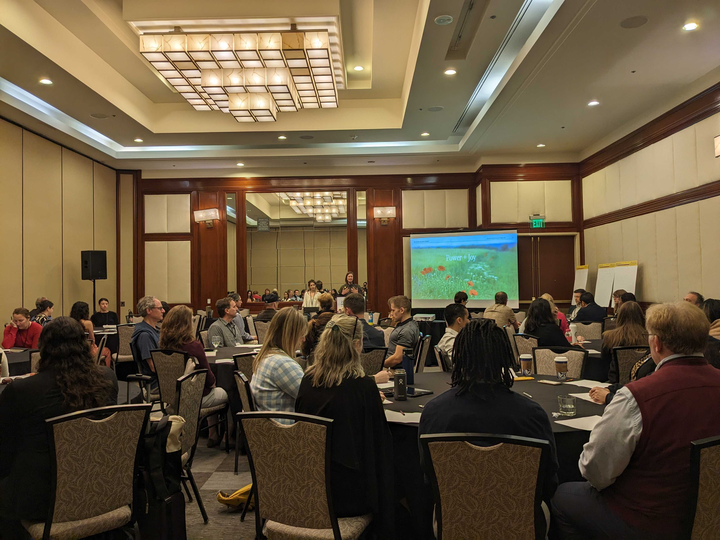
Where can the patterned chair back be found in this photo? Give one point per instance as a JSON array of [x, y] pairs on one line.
[[477, 495], [591, 330], [205, 341], [95, 460], [442, 359], [250, 323], [609, 323], [101, 346], [520, 317], [125, 332], [704, 510], [196, 324], [244, 364], [288, 464], [625, 358], [135, 319], [510, 331], [190, 393], [423, 351], [372, 361], [169, 367], [544, 360], [34, 360], [262, 328], [524, 343], [243, 387]]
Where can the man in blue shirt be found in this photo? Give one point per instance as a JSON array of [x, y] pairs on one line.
[[146, 335]]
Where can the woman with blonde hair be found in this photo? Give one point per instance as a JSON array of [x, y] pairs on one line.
[[336, 387], [178, 334], [276, 373]]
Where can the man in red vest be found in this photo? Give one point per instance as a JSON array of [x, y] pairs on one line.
[[637, 461]]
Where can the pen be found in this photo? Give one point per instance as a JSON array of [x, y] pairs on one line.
[[401, 412], [527, 395]]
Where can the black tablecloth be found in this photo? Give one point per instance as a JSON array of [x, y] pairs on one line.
[[410, 480], [112, 342], [223, 372], [18, 362]]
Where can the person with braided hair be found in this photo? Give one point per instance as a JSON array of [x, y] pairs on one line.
[[481, 399]]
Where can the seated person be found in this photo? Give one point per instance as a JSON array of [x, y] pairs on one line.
[[637, 460], [296, 297], [542, 324], [630, 330], [694, 298], [104, 317], [80, 311], [405, 336], [456, 317], [250, 297], [711, 308], [461, 298], [481, 399], [336, 387], [276, 373], [628, 297], [44, 316], [573, 311], [37, 307], [317, 323], [355, 307], [500, 312], [68, 380], [21, 332], [239, 321], [590, 311], [225, 327], [146, 335], [271, 306], [560, 318], [266, 295], [178, 334], [617, 298]]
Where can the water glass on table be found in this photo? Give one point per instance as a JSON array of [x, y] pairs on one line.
[[566, 405]]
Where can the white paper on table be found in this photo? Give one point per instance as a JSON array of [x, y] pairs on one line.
[[210, 353], [582, 395], [586, 422], [589, 384], [225, 361], [592, 351], [399, 418], [386, 401], [389, 384]]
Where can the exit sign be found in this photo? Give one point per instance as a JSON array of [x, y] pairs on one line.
[[538, 223]]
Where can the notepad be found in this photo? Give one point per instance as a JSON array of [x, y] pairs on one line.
[[211, 353], [586, 423], [389, 384], [399, 418], [589, 384], [582, 395], [592, 351], [225, 361]]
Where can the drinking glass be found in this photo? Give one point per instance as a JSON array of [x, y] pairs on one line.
[[216, 341], [567, 405]]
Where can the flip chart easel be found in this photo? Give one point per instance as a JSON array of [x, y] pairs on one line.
[[581, 276], [604, 284]]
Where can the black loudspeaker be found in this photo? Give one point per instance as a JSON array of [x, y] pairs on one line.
[[94, 265]]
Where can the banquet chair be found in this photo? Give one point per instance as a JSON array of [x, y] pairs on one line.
[[476, 494], [703, 518], [385, 322], [294, 501], [204, 339], [248, 405], [372, 360], [101, 346], [442, 359], [625, 358], [34, 360], [262, 328], [95, 497], [196, 324], [510, 331], [520, 317], [135, 319], [544, 360], [712, 353], [169, 367], [250, 325], [524, 343], [190, 393], [609, 323], [387, 331], [244, 364], [422, 355], [590, 330]]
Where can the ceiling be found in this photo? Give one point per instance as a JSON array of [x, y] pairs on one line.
[[526, 70]]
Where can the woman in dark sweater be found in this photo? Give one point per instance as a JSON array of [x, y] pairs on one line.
[[542, 323], [177, 333], [336, 387], [317, 324]]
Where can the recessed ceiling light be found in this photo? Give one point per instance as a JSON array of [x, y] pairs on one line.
[[593, 103], [541, 145], [138, 140], [240, 164], [424, 134], [689, 27], [282, 137], [358, 68], [45, 80], [450, 71]]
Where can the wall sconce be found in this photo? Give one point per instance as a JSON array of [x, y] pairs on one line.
[[384, 213], [207, 216]]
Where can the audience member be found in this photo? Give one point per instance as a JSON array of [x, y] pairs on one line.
[[277, 375], [312, 295], [21, 332], [178, 334], [80, 311], [104, 317], [239, 321], [256, 297], [320, 286], [44, 316], [590, 311], [317, 324], [500, 312], [296, 297], [225, 327], [628, 297], [637, 460], [349, 286], [573, 311], [617, 298], [266, 295], [630, 330], [542, 323], [67, 380], [461, 298], [334, 293], [37, 306], [456, 317], [694, 298], [165, 306], [711, 307], [336, 387], [562, 320], [372, 337], [481, 400], [405, 336], [286, 296], [250, 296], [146, 335], [271, 307]]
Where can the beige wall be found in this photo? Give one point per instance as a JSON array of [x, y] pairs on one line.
[[56, 203], [127, 220], [514, 202], [434, 208]]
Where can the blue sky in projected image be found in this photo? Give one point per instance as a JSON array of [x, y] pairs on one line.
[[476, 241]]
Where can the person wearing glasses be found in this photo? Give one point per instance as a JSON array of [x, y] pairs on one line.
[[146, 335]]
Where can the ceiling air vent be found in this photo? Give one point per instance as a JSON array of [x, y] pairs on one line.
[[469, 20]]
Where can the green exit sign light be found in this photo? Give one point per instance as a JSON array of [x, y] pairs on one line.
[[538, 223]]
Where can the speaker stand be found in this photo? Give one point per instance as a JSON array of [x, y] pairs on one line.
[[94, 299]]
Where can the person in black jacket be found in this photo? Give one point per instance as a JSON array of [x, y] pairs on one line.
[[68, 380], [372, 337], [542, 324], [104, 317], [590, 311], [317, 323]]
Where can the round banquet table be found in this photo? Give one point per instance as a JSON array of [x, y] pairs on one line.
[[112, 342], [409, 475]]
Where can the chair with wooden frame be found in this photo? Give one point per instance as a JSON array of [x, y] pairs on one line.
[[544, 360], [422, 354], [703, 516], [625, 358], [372, 360]]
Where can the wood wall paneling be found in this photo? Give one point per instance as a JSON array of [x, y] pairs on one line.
[[352, 234], [11, 218], [212, 250], [384, 246]]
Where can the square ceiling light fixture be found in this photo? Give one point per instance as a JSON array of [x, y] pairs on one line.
[[289, 70]]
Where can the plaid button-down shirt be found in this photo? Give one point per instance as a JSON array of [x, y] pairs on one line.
[[275, 384]]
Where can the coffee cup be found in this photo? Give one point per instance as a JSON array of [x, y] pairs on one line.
[[561, 367], [526, 365]]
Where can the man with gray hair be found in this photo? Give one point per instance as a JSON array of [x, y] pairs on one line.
[[238, 320], [146, 335]]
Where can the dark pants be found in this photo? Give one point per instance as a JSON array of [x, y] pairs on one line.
[[580, 513]]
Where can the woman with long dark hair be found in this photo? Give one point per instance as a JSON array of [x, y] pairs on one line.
[[541, 322], [350, 286], [68, 380], [80, 311], [317, 324]]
